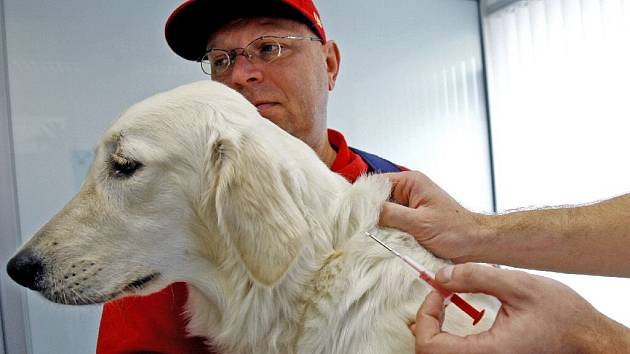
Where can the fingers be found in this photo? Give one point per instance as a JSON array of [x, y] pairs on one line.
[[400, 192], [506, 285], [397, 216], [408, 186], [429, 337], [396, 177]]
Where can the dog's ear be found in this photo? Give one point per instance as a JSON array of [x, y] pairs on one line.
[[259, 207]]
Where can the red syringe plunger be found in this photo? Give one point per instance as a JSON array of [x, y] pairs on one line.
[[475, 314]]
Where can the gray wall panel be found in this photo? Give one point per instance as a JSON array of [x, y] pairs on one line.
[[11, 298]]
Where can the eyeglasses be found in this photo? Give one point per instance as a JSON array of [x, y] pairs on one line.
[[262, 50]]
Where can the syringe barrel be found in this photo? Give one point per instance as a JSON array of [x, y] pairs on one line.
[[418, 267], [454, 298], [431, 281]]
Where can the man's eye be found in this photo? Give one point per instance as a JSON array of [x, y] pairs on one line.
[[270, 47], [123, 167], [221, 62], [269, 50]]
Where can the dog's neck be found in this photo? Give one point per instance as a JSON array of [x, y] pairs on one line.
[[358, 208]]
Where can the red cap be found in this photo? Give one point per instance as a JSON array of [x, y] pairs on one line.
[[189, 27]]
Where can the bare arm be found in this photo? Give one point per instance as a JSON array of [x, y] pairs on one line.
[[593, 239]]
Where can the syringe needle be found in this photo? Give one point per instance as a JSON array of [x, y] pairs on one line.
[[429, 277]]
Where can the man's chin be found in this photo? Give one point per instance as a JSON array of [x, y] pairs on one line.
[[274, 114], [280, 118]]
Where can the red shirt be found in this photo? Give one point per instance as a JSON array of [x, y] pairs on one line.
[[156, 323]]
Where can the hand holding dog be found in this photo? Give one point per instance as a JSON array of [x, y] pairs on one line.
[[432, 216], [597, 236], [538, 315]]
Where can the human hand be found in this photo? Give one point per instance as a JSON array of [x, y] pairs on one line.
[[433, 217], [538, 315]]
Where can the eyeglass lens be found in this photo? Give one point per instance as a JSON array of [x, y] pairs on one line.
[[262, 50]]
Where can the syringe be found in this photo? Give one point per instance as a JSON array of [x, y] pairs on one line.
[[429, 277]]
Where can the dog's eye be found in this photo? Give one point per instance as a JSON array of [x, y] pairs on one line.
[[123, 167]]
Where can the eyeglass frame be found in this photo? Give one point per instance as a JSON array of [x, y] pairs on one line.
[[235, 52]]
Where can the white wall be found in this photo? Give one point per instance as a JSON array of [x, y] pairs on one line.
[[410, 89]]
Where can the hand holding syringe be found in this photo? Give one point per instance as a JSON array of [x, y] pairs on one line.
[[429, 277]]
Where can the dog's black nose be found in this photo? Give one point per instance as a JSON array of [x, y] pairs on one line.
[[27, 270]]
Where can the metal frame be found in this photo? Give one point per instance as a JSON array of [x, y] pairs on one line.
[[14, 322], [483, 12]]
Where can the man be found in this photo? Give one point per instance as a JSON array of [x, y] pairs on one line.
[[286, 67], [538, 314]]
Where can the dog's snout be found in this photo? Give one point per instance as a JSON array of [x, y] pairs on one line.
[[27, 270]]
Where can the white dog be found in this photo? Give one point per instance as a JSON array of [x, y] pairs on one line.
[[193, 185]]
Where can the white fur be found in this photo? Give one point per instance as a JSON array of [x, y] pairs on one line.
[[269, 240]]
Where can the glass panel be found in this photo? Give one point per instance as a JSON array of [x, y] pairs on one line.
[[557, 76]]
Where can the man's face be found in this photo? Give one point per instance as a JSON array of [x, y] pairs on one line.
[[291, 91]]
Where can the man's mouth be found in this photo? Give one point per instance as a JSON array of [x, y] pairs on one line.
[[264, 106]]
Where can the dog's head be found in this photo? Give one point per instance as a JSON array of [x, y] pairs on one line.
[[193, 176]]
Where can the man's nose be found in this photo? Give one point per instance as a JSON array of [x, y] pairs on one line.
[[244, 72], [27, 270]]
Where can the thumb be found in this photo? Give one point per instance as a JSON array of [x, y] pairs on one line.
[[428, 332], [397, 216], [476, 278], [430, 317]]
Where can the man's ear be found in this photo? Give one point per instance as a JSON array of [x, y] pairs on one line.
[[259, 208], [333, 61]]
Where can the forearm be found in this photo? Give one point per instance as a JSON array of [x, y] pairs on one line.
[[592, 239], [607, 337]]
